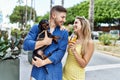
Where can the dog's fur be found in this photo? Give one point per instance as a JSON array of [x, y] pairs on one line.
[[44, 26]]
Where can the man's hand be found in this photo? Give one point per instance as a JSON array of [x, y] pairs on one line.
[[47, 40], [38, 62]]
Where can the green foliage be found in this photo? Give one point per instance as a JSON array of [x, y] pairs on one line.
[[105, 11], [4, 41], [11, 48], [46, 16], [114, 39], [38, 19], [18, 14], [105, 39], [77, 10]]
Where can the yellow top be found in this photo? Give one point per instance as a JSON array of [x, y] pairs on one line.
[[72, 70]]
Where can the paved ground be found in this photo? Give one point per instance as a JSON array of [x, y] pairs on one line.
[[25, 66]]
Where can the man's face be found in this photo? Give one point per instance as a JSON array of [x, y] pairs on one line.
[[60, 18]]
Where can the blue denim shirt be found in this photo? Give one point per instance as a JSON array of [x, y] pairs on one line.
[[58, 51]]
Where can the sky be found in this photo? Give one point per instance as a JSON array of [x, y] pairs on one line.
[[41, 6]]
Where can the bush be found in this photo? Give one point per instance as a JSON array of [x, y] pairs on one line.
[[11, 48], [105, 39]]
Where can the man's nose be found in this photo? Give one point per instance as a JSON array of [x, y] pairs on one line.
[[64, 20]]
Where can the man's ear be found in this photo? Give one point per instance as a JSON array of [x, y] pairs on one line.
[[54, 15]]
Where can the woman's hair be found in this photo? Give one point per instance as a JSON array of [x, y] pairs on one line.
[[57, 8], [85, 31]]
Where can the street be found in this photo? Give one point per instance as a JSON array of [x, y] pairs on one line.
[[100, 67], [103, 67]]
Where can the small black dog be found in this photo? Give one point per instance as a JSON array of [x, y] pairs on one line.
[[44, 26]]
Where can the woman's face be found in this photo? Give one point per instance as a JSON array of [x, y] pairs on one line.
[[77, 26]]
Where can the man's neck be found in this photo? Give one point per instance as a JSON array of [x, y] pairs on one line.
[[52, 23], [52, 26]]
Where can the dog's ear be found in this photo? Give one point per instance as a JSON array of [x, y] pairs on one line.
[[42, 23]]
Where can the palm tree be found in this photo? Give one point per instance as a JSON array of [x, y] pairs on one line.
[[20, 2], [62, 2], [51, 2], [31, 10], [34, 12], [25, 15], [91, 14]]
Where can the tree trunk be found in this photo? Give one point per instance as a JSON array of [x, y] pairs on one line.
[[31, 10], [26, 15], [34, 13], [62, 2], [91, 14]]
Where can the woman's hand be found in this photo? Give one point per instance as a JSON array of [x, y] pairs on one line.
[[72, 45], [63, 28]]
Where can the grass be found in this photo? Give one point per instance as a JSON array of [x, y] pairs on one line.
[[113, 50]]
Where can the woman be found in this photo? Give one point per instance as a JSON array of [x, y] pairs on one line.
[[79, 51]]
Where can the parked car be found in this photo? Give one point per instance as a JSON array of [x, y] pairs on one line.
[[115, 33], [95, 34]]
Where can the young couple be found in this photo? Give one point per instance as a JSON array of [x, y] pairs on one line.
[[79, 52]]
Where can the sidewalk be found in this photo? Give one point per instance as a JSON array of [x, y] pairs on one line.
[[110, 50], [25, 67]]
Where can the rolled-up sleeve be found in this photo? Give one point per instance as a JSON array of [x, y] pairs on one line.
[[30, 39], [58, 55]]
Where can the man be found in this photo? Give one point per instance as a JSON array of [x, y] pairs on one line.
[[52, 63]]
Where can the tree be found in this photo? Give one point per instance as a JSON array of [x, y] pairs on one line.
[[26, 12], [105, 11], [62, 2], [18, 14], [91, 14], [20, 2]]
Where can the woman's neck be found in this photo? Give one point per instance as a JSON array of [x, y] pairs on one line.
[[80, 37]]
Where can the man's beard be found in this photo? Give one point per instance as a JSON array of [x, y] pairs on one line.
[[56, 22]]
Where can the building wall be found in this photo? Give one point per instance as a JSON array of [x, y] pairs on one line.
[[106, 29]]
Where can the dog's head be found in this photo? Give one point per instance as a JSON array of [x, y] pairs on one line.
[[43, 24]]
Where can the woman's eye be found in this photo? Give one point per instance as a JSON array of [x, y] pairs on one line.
[[75, 22]]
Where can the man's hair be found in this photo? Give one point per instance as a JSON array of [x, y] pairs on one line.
[[58, 8]]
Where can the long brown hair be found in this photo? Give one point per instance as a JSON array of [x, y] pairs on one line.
[[86, 32]]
